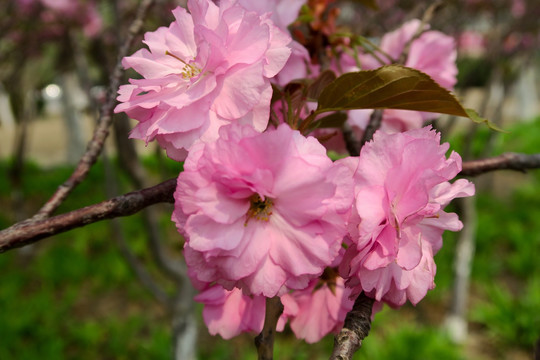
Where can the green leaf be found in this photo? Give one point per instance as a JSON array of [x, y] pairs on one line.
[[319, 84], [334, 120], [473, 115], [392, 87]]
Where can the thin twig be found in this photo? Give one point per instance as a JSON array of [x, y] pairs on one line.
[[265, 340], [137, 266], [374, 124], [351, 142], [30, 231], [102, 129], [426, 19], [356, 328], [138, 176]]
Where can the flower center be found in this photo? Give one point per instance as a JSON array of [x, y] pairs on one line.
[[328, 278], [189, 71], [259, 209], [394, 219]]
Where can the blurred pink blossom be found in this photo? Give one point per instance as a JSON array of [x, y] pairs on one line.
[[263, 212], [519, 8], [398, 219], [66, 7], [60, 15], [229, 313], [319, 309], [433, 53], [210, 67], [471, 43]]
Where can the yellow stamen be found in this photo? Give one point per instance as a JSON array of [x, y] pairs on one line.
[[189, 71], [328, 278], [259, 209]]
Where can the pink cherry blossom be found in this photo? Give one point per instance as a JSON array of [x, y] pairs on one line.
[[518, 8], [229, 313], [210, 67], [472, 43], [263, 212], [319, 309], [397, 223], [433, 53], [283, 13], [60, 15]]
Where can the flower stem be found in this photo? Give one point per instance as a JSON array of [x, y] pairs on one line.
[[265, 340]]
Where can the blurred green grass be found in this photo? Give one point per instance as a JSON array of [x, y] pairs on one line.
[[75, 298]]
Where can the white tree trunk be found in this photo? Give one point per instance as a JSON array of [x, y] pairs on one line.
[[184, 324], [73, 101], [456, 321]]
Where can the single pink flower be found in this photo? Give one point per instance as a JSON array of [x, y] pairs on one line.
[[210, 67], [319, 309], [263, 212], [229, 312], [401, 188]]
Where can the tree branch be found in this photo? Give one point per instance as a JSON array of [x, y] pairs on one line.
[[30, 231], [506, 161], [265, 340], [356, 328], [102, 129], [351, 142], [375, 121]]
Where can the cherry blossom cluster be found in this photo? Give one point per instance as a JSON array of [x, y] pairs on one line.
[[264, 211]]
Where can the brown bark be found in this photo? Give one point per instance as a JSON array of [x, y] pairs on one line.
[[265, 340], [30, 231], [356, 328]]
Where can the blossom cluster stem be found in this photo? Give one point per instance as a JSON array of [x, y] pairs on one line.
[[356, 328], [30, 231], [265, 340], [374, 124]]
